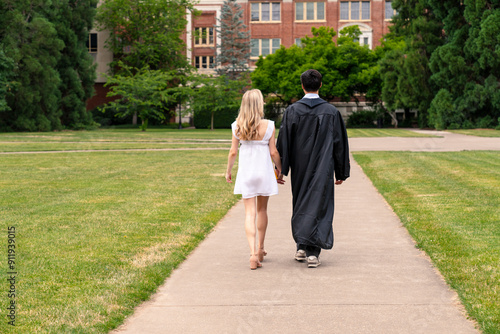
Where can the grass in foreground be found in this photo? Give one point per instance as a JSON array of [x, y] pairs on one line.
[[478, 132], [108, 139], [97, 233], [450, 203]]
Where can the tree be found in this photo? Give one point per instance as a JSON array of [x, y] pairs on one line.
[[73, 20], [6, 85], [55, 75], [234, 49], [468, 65], [30, 40], [415, 34], [146, 33], [451, 51], [215, 94], [348, 69], [145, 93]]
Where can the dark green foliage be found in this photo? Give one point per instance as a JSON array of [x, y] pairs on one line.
[[234, 50], [53, 71], [362, 119], [147, 93], [448, 45], [73, 21], [217, 97], [151, 32], [225, 116], [6, 85]]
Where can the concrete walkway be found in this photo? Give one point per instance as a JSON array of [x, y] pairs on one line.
[[373, 281]]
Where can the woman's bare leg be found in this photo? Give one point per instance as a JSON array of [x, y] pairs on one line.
[[250, 223], [262, 219]]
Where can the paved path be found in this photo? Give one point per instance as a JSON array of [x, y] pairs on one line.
[[373, 281]]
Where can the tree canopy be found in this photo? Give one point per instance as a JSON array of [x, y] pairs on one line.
[[146, 33], [447, 65], [51, 66], [348, 69]]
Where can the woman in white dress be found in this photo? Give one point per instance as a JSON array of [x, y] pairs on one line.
[[256, 179]]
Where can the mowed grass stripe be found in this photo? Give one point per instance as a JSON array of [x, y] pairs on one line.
[[478, 132], [450, 203], [97, 233], [155, 138]]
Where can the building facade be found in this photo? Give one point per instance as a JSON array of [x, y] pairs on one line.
[[275, 23], [270, 23]]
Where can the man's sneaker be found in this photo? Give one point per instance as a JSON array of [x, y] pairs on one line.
[[313, 262], [300, 255]]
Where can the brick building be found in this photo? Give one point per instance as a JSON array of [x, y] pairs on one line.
[[285, 22], [271, 24]]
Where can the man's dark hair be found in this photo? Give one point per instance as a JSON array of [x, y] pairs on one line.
[[311, 80]]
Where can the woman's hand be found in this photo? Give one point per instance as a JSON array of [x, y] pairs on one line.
[[228, 177]]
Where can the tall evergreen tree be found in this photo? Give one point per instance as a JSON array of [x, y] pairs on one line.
[[30, 40], [450, 60], [233, 52], [467, 67], [405, 69], [6, 86], [55, 75], [73, 20]]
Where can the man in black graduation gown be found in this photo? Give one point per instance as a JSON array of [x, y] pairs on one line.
[[312, 143]]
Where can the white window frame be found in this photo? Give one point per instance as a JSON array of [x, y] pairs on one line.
[[90, 47], [349, 11], [207, 61], [304, 12], [204, 33], [385, 11], [271, 18], [272, 48]]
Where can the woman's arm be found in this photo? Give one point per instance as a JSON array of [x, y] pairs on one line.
[[233, 152], [274, 153]]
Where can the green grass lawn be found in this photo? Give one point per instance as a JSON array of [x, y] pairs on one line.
[[119, 139], [450, 203], [97, 233], [353, 133], [478, 132]]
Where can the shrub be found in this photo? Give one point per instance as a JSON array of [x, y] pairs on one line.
[[362, 119], [222, 118]]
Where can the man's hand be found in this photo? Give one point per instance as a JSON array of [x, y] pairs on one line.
[[339, 182]]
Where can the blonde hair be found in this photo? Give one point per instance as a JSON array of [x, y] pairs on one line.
[[251, 112]]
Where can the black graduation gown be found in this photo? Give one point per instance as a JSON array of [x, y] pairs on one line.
[[312, 143]]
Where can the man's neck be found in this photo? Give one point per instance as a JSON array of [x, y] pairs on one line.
[[311, 95]]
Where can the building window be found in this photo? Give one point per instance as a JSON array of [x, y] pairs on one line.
[[354, 10], [266, 11], [309, 11], [92, 43], [298, 41], [389, 11], [204, 62], [265, 46], [203, 36]]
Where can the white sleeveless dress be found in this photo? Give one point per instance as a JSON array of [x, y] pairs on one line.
[[255, 168]]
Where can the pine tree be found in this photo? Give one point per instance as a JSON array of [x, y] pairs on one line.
[[52, 67], [73, 20], [233, 52], [6, 68], [30, 40]]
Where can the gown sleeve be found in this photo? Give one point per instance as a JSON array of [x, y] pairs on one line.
[[283, 144], [340, 149]]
